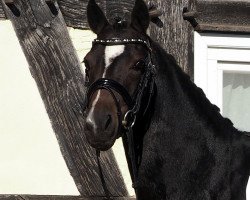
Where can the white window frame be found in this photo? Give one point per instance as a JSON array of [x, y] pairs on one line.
[[216, 53]]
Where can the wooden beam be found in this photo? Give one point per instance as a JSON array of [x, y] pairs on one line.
[[74, 13], [177, 34], [12, 1], [40, 197], [2, 13], [119, 8], [45, 41], [217, 15], [8, 1], [221, 16]]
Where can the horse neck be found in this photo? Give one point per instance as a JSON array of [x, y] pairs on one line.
[[179, 101]]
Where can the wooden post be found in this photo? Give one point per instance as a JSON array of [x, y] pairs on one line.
[[176, 36], [2, 14], [119, 8], [45, 41], [75, 13], [220, 16]]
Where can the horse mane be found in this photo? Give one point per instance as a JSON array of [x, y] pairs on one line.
[[205, 109]]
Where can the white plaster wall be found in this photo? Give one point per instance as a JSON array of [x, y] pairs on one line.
[[30, 159]]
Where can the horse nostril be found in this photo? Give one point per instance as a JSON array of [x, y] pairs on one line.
[[108, 122], [89, 125]]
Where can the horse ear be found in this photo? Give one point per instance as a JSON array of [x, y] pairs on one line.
[[140, 16], [96, 18]]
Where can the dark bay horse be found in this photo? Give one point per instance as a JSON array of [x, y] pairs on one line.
[[184, 149]]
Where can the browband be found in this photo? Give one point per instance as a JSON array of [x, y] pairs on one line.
[[115, 41]]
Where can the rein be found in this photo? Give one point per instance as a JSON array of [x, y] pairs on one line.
[[134, 103]]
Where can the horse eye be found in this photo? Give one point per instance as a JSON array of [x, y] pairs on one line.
[[139, 65]]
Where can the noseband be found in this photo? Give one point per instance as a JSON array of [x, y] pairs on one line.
[[134, 102]]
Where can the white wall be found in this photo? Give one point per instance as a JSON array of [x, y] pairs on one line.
[[31, 161]]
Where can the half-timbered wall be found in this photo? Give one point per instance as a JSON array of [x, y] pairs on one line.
[[31, 161], [56, 69], [21, 104], [177, 34]]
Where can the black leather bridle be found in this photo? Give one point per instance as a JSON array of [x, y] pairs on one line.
[[134, 102]]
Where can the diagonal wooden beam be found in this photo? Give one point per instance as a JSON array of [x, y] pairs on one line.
[[45, 41], [2, 13]]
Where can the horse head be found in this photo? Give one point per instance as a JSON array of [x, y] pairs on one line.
[[115, 69]]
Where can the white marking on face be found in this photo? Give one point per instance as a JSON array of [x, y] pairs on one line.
[[110, 53], [90, 118]]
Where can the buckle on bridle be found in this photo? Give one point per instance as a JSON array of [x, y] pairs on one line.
[[129, 119]]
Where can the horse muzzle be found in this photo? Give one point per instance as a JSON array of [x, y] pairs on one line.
[[101, 130]]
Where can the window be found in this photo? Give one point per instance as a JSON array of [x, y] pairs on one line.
[[222, 70]]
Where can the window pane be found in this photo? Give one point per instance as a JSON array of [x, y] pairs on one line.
[[236, 99]]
